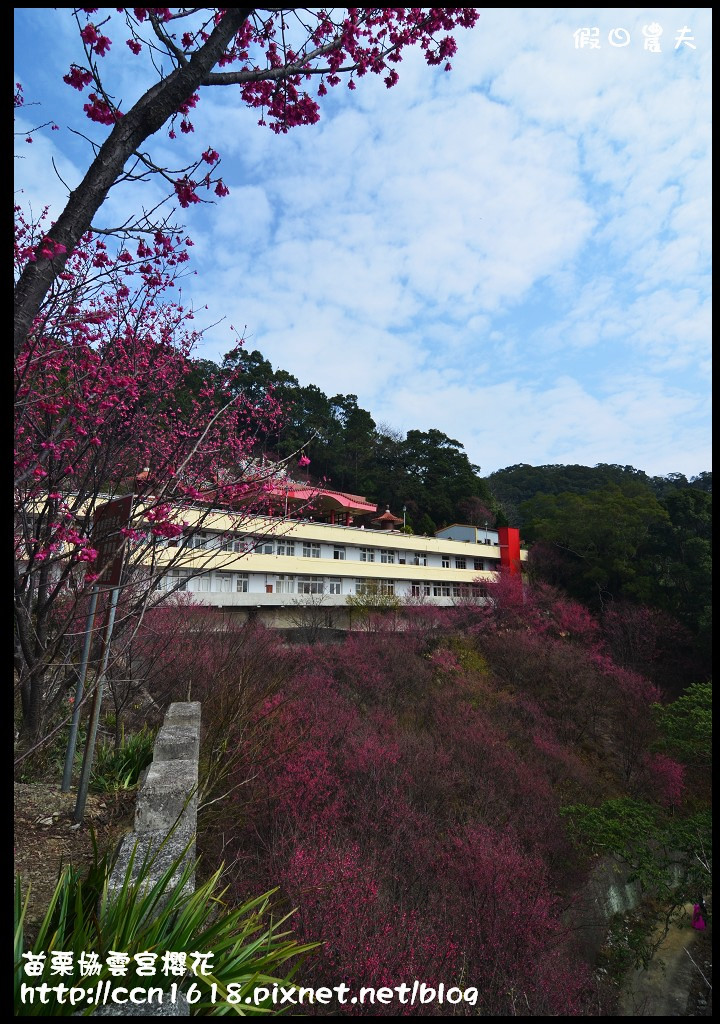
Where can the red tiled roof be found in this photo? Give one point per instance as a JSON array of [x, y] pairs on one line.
[[343, 500], [387, 517]]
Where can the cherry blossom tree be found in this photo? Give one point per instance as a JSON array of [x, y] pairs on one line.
[[282, 60], [105, 406]]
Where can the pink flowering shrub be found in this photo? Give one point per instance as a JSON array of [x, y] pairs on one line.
[[409, 812], [667, 778]]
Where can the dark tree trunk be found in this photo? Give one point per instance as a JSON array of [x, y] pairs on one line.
[[147, 116]]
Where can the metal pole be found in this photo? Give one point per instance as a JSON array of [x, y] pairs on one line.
[[72, 740], [95, 715]]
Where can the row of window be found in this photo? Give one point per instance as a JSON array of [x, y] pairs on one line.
[[226, 583], [208, 583], [448, 590], [311, 549], [307, 585], [422, 589]]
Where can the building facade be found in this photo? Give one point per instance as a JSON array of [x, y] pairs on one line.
[[272, 566]]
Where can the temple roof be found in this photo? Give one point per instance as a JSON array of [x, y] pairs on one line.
[[324, 498], [387, 517]]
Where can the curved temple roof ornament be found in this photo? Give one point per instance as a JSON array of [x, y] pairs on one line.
[[387, 520]]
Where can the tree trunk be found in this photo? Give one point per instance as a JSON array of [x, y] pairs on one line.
[[148, 115]]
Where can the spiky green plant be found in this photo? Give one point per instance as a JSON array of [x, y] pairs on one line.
[[249, 948], [117, 768]]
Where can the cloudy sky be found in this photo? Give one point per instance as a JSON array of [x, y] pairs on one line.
[[516, 252]]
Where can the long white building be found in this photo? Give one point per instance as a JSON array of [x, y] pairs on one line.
[[273, 566]]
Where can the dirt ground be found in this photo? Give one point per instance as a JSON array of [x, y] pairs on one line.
[[46, 839], [677, 982]]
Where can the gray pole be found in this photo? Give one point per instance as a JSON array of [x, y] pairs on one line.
[[72, 740], [95, 715]]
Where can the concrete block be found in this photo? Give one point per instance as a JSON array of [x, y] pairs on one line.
[[177, 740], [184, 711], [154, 853], [169, 792], [164, 836]]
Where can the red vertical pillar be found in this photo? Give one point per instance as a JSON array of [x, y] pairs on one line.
[[509, 537], [332, 518]]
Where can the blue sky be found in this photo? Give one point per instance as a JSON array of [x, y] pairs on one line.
[[516, 252]]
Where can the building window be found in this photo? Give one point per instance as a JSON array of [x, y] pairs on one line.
[[241, 583], [419, 559], [265, 547], [310, 550], [335, 586], [375, 587], [172, 578], [286, 547], [233, 543], [468, 592], [461, 563], [201, 584], [285, 585], [446, 561], [339, 554], [478, 564], [387, 557], [311, 585], [198, 540], [367, 554], [420, 590], [223, 582], [441, 590]]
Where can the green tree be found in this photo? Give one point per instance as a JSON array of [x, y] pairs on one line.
[[356, 441], [669, 856], [686, 726], [681, 556], [376, 608], [601, 536], [520, 483], [439, 474]]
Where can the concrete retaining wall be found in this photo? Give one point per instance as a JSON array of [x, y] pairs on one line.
[[167, 800]]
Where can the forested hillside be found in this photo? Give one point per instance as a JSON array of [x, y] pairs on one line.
[[432, 794], [516, 484]]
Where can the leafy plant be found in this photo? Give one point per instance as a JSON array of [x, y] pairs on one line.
[[84, 914], [686, 725], [120, 767]]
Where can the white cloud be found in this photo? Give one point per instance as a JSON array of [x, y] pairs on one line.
[[516, 252]]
